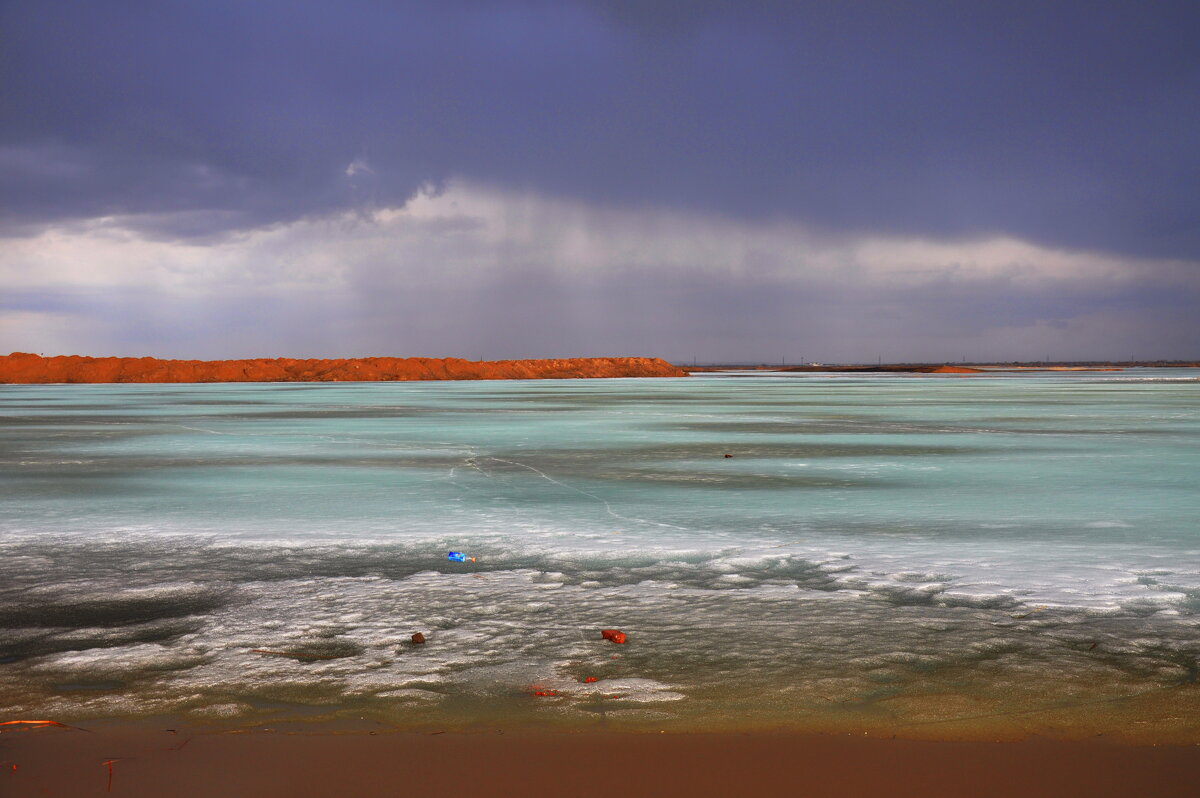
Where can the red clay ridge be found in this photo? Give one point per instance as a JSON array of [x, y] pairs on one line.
[[21, 367]]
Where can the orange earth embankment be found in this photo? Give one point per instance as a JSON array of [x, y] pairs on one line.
[[20, 367], [954, 370]]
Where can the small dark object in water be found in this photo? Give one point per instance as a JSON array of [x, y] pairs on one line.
[[729, 455], [418, 638], [1092, 647]]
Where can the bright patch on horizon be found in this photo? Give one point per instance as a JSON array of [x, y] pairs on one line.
[[444, 275]]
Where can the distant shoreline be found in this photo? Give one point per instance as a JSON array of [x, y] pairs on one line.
[[22, 368], [948, 368], [28, 369]]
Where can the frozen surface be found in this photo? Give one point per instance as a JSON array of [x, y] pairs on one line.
[[231, 550]]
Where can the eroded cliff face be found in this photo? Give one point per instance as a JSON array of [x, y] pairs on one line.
[[20, 367]]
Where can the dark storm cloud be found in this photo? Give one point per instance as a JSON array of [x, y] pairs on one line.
[[1068, 123]]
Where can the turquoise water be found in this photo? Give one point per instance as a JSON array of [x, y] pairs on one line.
[[880, 551]]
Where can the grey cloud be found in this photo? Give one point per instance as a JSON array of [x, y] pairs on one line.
[[45, 300], [536, 311]]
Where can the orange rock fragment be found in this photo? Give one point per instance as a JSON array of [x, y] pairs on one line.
[[35, 723], [109, 763]]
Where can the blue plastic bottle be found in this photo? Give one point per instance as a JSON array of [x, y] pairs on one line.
[[456, 556]]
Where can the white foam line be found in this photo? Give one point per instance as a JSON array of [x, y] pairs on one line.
[[208, 431], [469, 462], [330, 438], [607, 507]]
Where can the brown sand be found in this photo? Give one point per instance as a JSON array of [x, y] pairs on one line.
[[20, 367], [266, 764]]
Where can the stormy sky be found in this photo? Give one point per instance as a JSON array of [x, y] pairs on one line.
[[724, 181]]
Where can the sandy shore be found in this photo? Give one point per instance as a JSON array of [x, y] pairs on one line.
[[184, 763]]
